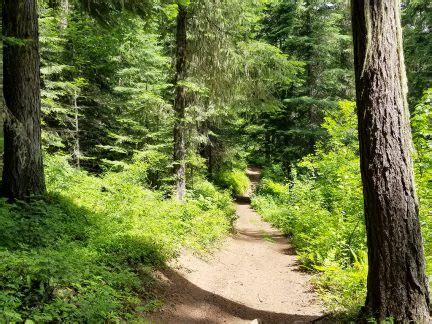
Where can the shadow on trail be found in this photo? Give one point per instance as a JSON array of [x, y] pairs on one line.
[[254, 235], [197, 296], [243, 200]]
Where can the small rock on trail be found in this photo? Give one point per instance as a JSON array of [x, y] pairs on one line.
[[253, 278]]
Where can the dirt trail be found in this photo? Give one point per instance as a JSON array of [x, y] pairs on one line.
[[255, 275]]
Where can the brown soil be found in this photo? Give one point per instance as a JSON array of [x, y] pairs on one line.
[[255, 277]]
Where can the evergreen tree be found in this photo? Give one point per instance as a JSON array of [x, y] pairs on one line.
[[318, 34], [417, 21]]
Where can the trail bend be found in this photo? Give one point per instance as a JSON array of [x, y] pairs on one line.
[[254, 276]]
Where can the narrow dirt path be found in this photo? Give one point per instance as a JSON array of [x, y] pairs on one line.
[[254, 276]]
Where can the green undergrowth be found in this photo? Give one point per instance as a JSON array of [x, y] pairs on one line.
[[321, 207], [85, 252], [235, 180]]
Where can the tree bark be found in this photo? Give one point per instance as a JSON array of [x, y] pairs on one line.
[[397, 285], [180, 105], [23, 174], [77, 149], [64, 14]]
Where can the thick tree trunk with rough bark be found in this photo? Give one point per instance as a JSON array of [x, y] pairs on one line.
[[23, 174], [180, 105], [397, 285]]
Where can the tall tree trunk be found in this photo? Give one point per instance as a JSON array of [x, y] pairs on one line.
[[180, 105], [397, 285], [206, 148], [64, 14], [77, 150], [267, 149], [310, 69], [23, 174], [309, 50]]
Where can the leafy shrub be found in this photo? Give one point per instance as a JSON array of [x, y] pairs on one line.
[[343, 289], [274, 172], [207, 196], [323, 208], [274, 189], [85, 252], [421, 122], [236, 180]]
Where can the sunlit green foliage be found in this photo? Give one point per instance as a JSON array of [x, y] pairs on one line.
[[321, 208], [85, 252], [235, 180], [329, 185], [421, 122]]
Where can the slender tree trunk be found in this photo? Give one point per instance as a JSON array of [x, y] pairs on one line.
[[77, 150], [210, 163], [397, 285], [23, 169], [205, 149], [64, 14], [180, 105], [310, 69], [309, 50], [267, 142]]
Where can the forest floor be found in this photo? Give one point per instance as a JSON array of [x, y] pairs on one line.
[[254, 275]]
